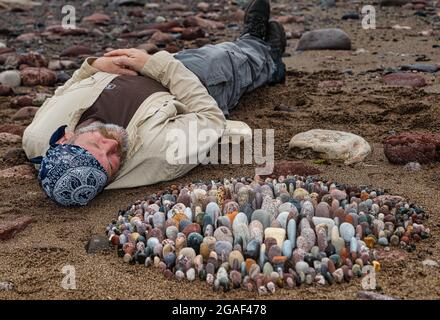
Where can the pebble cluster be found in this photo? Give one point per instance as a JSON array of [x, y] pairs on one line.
[[263, 234]]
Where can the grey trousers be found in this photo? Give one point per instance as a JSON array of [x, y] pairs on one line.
[[230, 69]]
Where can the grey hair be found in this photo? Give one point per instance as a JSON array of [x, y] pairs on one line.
[[95, 126]]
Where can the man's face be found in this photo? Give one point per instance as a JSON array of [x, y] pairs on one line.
[[107, 143]]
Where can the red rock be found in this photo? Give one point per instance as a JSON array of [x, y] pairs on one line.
[[412, 147], [163, 26], [203, 6], [38, 76], [151, 48], [75, 51], [22, 171], [285, 167], [59, 30], [139, 34], [193, 227], [137, 12], [5, 90], [330, 84], [26, 37], [6, 50], [97, 18], [160, 37], [175, 7], [195, 21], [171, 48], [391, 257], [14, 129], [403, 79], [32, 59], [22, 101], [8, 229], [7, 138], [25, 113], [15, 156], [192, 33]]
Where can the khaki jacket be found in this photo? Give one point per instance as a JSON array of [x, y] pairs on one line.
[[188, 103]]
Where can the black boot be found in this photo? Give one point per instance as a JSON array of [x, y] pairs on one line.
[[256, 18], [276, 39]]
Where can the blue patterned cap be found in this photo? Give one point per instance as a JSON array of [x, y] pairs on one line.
[[69, 174]]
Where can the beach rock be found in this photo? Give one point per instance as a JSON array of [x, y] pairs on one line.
[[253, 249], [241, 234], [191, 274], [262, 216], [347, 231], [430, 68], [403, 79], [23, 171], [171, 232], [25, 113], [9, 138], [75, 51], [190, 228], [96, 244], [286, 167], [97, 18], [331, 145], [287, 248], [195, 21], [291, 232], [278, 234], [412, 147], [38, 76], [5, 90], [390, 3], [351, 16], [235, 255], [324, 39], [9, 228], [10, 78], [15, 156], [301, 266], [194, 241], [322, 210], [256, 231], [224, 234], [223, 249]]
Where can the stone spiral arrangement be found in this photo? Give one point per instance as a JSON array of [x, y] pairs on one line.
[[263, 234]]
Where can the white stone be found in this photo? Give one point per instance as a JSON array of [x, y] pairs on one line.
[[332, 145], [278, 234], [10, 78]]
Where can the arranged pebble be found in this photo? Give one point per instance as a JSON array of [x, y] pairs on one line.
[[295, 237]]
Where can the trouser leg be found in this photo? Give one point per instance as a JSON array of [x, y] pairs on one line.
[[230, 69]]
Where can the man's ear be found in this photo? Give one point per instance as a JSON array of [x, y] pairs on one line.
[[65, 138]]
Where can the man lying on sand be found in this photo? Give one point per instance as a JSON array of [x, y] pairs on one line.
[[107, 126]]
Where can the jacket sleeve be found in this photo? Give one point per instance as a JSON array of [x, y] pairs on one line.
[[82, 73], [183, 84]]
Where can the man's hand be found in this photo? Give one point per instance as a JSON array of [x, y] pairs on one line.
[[107, 64], [133, 59]]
